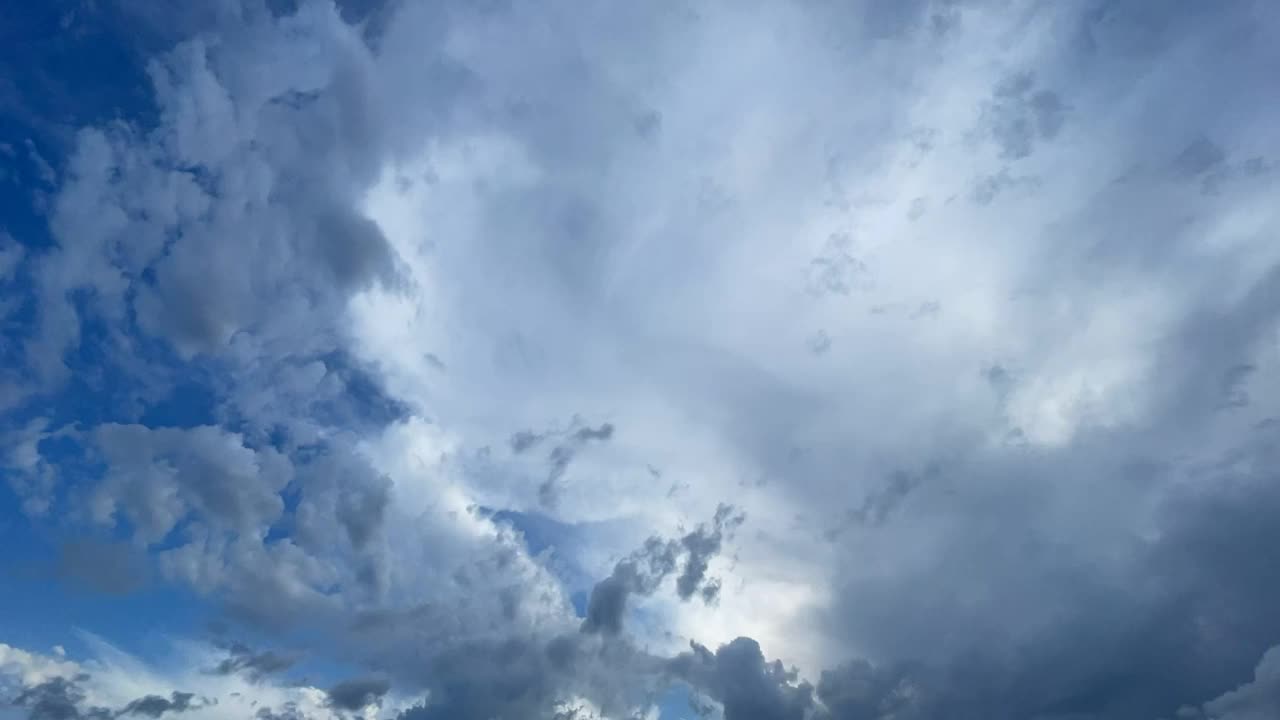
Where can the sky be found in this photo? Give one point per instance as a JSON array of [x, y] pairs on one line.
[[586, 360]]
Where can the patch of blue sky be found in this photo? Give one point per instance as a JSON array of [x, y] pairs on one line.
[[674, 704], [554, 542], [41, 607]]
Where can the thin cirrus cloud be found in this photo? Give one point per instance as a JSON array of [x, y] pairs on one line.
[[770, 361]]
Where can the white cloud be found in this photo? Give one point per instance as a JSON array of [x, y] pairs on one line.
[[32, 668], [112, 678]]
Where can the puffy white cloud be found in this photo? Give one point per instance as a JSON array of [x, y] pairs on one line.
[[33, 669]]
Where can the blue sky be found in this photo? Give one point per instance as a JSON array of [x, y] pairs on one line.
[[748, 360], [54, 83]]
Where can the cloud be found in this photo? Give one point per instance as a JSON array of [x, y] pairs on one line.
[[1020, 115], [569, 443], [643, 571], [359, 693], [561, 455], [157, 476], [57, 699], [970, 308], [257, 665], [204, 172], [1251, 701], [155, 706], [748, 687], [701, 545], [112, 684], [31, 669]]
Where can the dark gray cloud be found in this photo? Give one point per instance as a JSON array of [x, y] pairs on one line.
[[881, 502], [540, 677], [155, 706], [64, 698], [57, 699], [859, 691], [1020, 115], [568, 444], [257, 665], [701, 546], [510, 679], [287, 711], [358, 693], [640, 573], [525, 440], [1168, 621], [643, 571], [747, 686]]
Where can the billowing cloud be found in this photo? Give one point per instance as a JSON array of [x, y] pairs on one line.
[[748, 687], [435, 341]]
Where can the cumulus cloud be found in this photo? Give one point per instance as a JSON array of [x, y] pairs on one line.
[[971, 306], [748, 687], [156, 477], [111, 683]]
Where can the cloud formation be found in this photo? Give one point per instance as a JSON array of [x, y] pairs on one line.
[[111, 683], [958, 319], [257, 665]]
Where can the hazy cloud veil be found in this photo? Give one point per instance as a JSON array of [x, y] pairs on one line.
[[761, 360]]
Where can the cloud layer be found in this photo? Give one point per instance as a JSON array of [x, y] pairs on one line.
[[824, 360]]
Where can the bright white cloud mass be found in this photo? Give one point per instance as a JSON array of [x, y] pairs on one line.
[[752, 359]]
